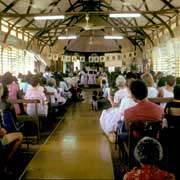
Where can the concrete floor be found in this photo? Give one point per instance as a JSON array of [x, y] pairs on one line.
[[76, 149]]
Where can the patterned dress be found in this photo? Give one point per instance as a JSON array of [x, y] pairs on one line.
[[148, 172]]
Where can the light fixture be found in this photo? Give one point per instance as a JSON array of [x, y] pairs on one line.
[[113, 37], [49, 17], [67, 37], [124, 15]]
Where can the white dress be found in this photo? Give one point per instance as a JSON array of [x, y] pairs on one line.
[[152, 92], [120, 94], [110, 117], [84, 79]]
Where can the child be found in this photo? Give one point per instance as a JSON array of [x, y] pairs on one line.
[[94, 100]]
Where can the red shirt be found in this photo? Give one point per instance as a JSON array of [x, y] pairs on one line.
[[148, 172], [144, 110]]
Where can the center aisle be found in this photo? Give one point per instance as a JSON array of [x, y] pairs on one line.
[[76, 149]]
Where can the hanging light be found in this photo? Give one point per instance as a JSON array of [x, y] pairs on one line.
[[67, 37], [113, 37], [124, 15], [49, 17]]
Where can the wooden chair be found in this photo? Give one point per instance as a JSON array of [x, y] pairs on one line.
[[138, 130], [170, 135], [34, 118], [159, 100]]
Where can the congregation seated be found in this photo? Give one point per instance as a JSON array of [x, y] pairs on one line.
[[143, 110], [50, 88]]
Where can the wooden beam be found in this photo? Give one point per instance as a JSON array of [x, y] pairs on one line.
[[15, 15]]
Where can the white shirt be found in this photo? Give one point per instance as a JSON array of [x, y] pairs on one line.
[[120, 94], [152, 92], [63, 86], [125, 104]]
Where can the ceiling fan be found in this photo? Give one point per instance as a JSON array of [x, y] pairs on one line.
[[89, 26]]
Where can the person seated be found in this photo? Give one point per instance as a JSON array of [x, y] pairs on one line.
[[148, 152], [148, 79], [64, 87], [56, 98], [9, 143], [167, 90], [121, 93], [174, 104], [105, 89], [144, 110], [177, 80], [13, 89], [113, 117], [36, 93], [24, 84]]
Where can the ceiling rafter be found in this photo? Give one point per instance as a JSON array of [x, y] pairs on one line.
[[136, 24], [8, 7], [160, 19], [11, 9], [30, 6], [20, 19], [121, 30]]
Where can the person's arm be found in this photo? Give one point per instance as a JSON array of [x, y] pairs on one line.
[[160, 93], [2, 132], [113, 104]]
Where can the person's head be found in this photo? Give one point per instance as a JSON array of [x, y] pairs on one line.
[[161, 82], [177, 80], [3, 92], [170, 80], [148, 151], [120, 81], [95, 93], [7, 78], [159, 75], [51, 82], [138, 89], [148, 79], [34, 81], [177, 92], [129, 81], [103, 82], [47, 69]]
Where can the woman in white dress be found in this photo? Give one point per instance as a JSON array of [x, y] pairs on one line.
[[110, 117], [149, 81], [120, 93]]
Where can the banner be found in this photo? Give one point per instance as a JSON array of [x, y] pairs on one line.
[[113, 60], [55, 57], [50, 56]]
